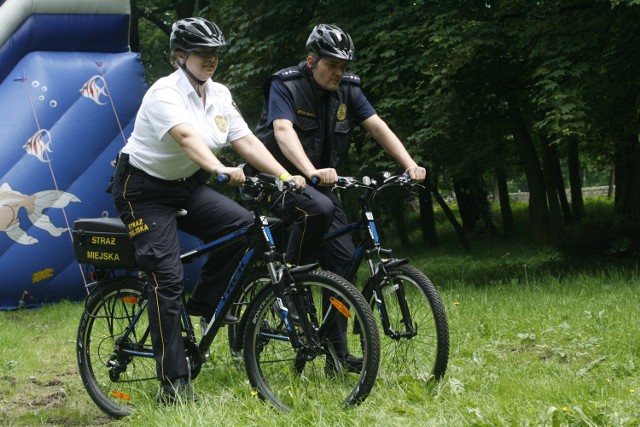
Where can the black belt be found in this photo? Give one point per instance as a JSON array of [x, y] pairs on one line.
[[201, 176], [135, 171]]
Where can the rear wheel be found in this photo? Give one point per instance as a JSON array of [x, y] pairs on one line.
[[319, 369], [114, 377]]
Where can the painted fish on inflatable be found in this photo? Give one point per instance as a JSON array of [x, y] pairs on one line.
[[69, 91]]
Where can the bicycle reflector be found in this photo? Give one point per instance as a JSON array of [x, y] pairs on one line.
[[129, 300], [120, 395], [340, 307]]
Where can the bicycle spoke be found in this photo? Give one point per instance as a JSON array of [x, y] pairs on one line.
[[318, 367], [115, 378], [418, 348]]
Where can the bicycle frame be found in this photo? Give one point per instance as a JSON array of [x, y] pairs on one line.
[[367, 249], [259, 235], [315, 319]]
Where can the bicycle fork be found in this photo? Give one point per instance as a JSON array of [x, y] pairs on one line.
[[289, 300], [380, 285]]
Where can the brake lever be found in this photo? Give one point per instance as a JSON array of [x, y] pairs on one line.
[[408, 181], [292, 187]]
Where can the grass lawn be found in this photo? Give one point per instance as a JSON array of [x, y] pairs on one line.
[[536, 340]]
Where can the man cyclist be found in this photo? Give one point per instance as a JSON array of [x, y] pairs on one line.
[[308, 117]]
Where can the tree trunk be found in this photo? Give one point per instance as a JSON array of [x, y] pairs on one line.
[[482, 200], [185, 8], [399, 209], [575, 181], [551, 184], [473, 204], [450, 216], [627, 179], [538, 212], [508, 224], [567, 214], [427, 219], [395, 204], [134, 29], [612, 183], [466, 204]]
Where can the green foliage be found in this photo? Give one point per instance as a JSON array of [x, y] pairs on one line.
[[446, 75], [441, 73], [625, 2], [595, 240]]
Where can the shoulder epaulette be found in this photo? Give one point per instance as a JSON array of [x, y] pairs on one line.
[[289, 73], [351, 79]]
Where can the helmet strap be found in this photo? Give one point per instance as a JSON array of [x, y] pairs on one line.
[[309, 68], [199, 82], [315, 61]]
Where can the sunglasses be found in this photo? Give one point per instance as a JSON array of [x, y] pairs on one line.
[[206, 53]]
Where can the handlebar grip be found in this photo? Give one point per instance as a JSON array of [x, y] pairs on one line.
[[342, 180], [223, 177]]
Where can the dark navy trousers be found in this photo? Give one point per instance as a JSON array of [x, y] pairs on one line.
[[149, 207], [310, 216]]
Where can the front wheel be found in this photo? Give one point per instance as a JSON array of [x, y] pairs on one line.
[[337, 353], [417, 344], [258, 279], [110, 345]]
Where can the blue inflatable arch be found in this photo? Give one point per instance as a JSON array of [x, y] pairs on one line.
[[69, 92]]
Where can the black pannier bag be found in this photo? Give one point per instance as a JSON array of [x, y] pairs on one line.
[[103, 242]]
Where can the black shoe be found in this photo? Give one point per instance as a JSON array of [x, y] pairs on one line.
[[200, 309], [174, 391], [299, 362], [343, 364]]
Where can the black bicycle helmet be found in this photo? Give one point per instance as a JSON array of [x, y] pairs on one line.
[[329, 40], [195, 33]]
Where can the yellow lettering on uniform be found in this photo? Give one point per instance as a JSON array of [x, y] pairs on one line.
[[140, 229], [304, 113], [136, 223], [138, 226]]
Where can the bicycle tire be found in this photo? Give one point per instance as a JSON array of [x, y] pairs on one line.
[[116, 382], [423, 357], [257, 280], [285, 376]]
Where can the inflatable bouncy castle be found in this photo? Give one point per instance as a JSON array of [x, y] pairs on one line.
[[69, 92]]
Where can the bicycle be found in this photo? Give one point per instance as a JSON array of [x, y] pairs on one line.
[[412, 316], [287, 358]]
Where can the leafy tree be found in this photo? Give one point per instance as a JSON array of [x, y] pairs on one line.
[[484, 92]]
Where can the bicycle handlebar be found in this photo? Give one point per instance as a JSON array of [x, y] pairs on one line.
[[256, 187], [384, 179], [266, 181]]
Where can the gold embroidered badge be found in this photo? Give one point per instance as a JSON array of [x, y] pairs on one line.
[[221, 123], [342, 112]]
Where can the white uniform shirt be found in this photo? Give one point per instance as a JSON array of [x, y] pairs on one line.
[[172, 101]]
